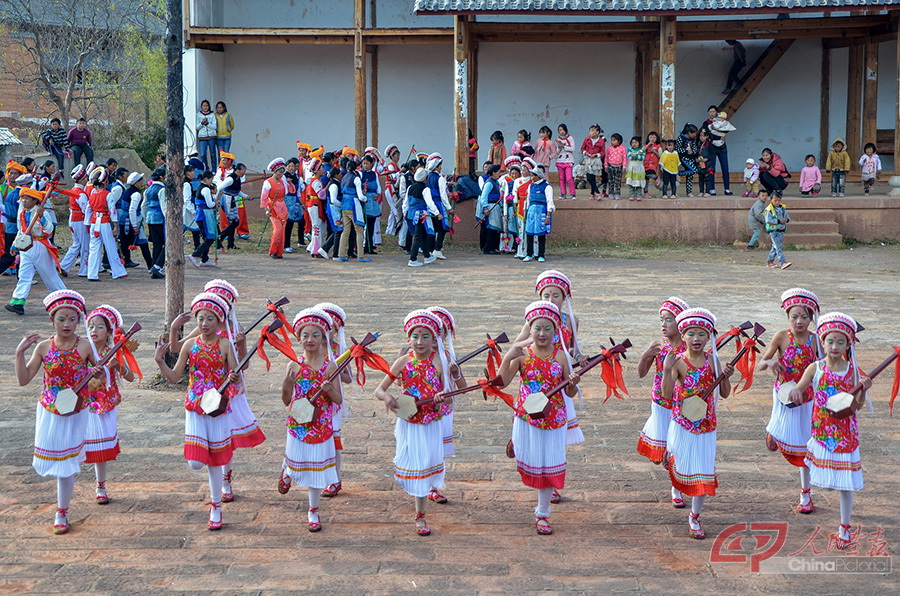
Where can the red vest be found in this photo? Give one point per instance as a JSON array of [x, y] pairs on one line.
[[75, 212], [98, 204]]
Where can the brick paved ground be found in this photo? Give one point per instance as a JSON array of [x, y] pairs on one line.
[[614, 531]]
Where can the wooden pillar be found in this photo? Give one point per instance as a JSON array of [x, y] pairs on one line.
[[651, 88], [825, 109], [373, 89], [667, 77], [870, 95], [472, 91], [897, 107], [854, 98], [359, 75], [640, 49], [461, 51]]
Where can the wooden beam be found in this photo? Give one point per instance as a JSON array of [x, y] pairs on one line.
[[639, 49], [667, 41], [778, 28], [870, 95], [763, 65], [854, 99], [825, 109], [652, 89], [879, 34], [359, 76], [461, 47], [373, 90]]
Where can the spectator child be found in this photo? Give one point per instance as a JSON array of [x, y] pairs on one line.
[[546, 148], [497, 152], [224, 126], [706, 160], [56, 142], [565, 161], [870, 165], [473, 153], [669, 164], [593, 148], [751, 178], [635, 175], [686, 145], [838, 163], [756, 218], [652, 151], [810, 178], [206, 135], [523, 140], [616, 158], [776, 225]]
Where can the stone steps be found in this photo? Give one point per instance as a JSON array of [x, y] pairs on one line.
[[813, 228]]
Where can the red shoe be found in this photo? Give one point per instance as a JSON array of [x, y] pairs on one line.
[[102, 499], [214, 525], [809, 507], [697, 534], [555, 497], [677, 502], [770, 443], [314, 526], [332, 490], [437, 497], [227, 497], [510, 453], [283, 487], [841, 543], [422, 530], [543, 529], [63, 528]]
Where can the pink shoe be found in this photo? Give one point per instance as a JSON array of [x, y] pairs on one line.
[[746, 194]]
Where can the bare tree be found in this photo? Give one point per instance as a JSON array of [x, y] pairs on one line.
[[75, 54]]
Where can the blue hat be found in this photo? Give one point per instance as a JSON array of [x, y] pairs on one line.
[[196, 163]]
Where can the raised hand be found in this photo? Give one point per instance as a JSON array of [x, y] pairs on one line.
[[27, 342], [161, 351], [517, 350]]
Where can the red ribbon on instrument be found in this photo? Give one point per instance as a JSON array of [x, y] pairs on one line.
[[496, 393], [124, 355], [282, 344], [365, 357], [494, 358], [611, 373], [896, 388], [733, 332], [746, 364]]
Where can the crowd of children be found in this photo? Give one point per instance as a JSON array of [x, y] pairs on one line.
[[689, 382]]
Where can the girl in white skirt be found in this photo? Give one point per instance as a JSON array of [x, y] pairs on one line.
[[419, 457], [788, 355], [652, 443], [832, 453], [102, 440], [309, 455], [692, 443], [207, 439], [58, 440], [540, 443], [553, 286], [337, 344]]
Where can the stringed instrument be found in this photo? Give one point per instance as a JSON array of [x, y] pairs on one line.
[[846, 403], [408, 406], [501, 339]]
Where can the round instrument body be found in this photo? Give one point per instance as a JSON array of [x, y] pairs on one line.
[[535, 403], [406, 406], [840, 404], [303, 411], [694, 408], [213, 403], [68, 402]]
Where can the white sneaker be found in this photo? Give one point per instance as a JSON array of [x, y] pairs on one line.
[[208, 264], [439, 254], [430, 259], [322, 253], [541, 259], [194, 261], [526, 259], [289, 249], [415, 264]]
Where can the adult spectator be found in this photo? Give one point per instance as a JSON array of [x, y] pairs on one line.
[[224, 126], [773, 174], [206, 135], [81, 142], [56, 142], [717, 148], [738, 63]]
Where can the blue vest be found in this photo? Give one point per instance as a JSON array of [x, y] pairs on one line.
[[348, 190], [369, 179], [494, 194], [11, 208], [154, 207], [125, 201], [415, 200], [537, 194], [432, 183]]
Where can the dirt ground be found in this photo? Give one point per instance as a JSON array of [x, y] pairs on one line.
[[615, 530]]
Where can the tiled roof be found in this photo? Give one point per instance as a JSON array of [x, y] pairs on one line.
[[8, 138], [646, 6]]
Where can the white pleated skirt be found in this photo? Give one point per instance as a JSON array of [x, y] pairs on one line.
[[837, 471], [58, 443], [419, 458], [540, 455], [791, 428], [447, 431], [573, 429], [692, 461], [207, 439], [101, 437], [245, 431], [310, 464], [652, 443]]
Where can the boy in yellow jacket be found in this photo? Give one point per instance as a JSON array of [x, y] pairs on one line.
[[838, 163]]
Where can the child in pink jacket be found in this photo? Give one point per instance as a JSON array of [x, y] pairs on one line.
[[616, 159], [810, 178]]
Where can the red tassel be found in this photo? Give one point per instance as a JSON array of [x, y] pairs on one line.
[[611, 373], [365, 357], [124, 355], [496, 393], [745, 366], [896, 388]]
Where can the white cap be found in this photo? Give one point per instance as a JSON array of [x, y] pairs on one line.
[[134, 177], [421, 174], [24, 179], [751, 161]]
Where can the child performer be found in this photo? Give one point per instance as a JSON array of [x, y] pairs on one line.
[[207, 439], [448, 332], [832, 454], [58, 440], [272, 200], [510, 220], [103, 229], [419, 457], [337, 345], [78, 204], [652, 443], [788, 355], [692, 444], [309, 455], [102, 438], [538, 214], [540, 443]]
